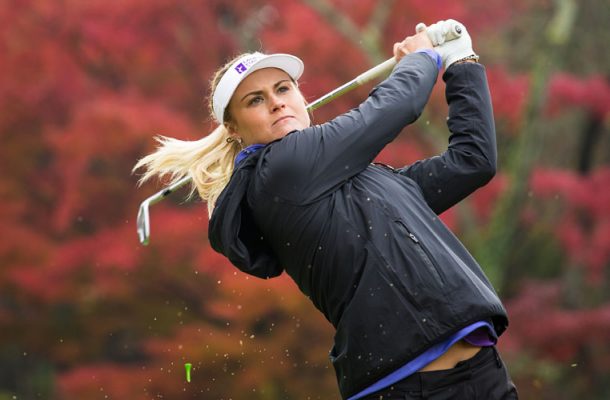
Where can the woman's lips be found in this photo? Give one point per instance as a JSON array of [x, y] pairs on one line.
[[282, 119]]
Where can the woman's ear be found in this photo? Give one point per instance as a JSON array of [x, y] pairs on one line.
[[231, 128], [233, 134]]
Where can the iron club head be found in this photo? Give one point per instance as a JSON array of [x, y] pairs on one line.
[[143, 222]]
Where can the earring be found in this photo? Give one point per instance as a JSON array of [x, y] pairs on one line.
[[239, 141]]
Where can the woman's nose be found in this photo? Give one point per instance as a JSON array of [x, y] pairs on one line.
[[276, 103]]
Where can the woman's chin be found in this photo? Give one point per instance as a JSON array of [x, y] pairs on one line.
[[285, 127]]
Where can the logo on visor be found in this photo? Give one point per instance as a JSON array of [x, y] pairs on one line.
[[240, 68], [245, 64]]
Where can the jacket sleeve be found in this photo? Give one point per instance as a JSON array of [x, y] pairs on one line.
[[309, 163], [470, 159]]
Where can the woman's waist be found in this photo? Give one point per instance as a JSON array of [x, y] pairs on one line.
[[460, 351]]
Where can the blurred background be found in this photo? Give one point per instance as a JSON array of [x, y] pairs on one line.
[[86, 312]]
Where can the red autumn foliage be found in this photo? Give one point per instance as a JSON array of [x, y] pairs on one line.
[[542, 315], [583, 224], [107, 381], [509, 93], [591, 94]]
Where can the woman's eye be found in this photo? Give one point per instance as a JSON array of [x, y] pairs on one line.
[[255, 100], [283, 89]]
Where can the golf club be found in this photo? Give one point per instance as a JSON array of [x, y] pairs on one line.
[[143, 219]]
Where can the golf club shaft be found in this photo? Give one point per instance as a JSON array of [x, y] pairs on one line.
[[143, 220], [378, 70]]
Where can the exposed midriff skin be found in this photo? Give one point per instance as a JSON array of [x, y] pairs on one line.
[[460, 351]]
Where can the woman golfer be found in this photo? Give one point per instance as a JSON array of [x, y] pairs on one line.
[[415, 316]]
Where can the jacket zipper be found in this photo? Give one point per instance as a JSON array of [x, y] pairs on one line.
[[423, 254]]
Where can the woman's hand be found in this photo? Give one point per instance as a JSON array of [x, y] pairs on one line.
[[451, 49], [412, 44]]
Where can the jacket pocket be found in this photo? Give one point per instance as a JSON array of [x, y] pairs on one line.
[[424, 255]]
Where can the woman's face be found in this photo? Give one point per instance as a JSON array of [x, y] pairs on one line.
[[266, 106]]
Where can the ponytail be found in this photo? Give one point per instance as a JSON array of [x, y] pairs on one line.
[[207, 161]]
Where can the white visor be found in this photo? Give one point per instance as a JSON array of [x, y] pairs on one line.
[[243, 67]]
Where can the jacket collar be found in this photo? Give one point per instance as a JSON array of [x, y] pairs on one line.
[[253, 148]]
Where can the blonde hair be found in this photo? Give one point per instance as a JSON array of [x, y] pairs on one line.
[[209, 161]]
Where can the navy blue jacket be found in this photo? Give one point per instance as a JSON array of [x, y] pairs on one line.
[[364, 241]]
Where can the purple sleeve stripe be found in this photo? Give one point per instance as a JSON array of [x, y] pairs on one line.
[[434, 55]]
